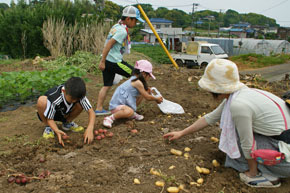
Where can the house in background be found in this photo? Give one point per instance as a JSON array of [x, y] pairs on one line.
[[283, 33], [159, 23], [172, 36]]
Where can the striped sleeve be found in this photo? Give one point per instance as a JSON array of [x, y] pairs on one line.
[[85, 103], [50, 110]]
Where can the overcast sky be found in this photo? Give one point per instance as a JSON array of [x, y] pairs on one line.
[[276, 9]]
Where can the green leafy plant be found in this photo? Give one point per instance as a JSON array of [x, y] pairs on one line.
[[22, 85]]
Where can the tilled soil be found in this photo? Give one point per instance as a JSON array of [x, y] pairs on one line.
[[111, 164]]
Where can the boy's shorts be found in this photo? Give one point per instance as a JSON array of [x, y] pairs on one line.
[[57, 117], [122, 68]]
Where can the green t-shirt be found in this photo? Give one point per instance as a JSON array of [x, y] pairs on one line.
[[119, 33]]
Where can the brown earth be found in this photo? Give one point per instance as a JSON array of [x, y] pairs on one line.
[[110, 165]]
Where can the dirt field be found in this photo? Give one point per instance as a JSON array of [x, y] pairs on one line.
[[110, 165]]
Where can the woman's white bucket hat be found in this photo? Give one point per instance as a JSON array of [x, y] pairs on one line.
[[221, 76]]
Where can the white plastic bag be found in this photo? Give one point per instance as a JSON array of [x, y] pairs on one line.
[[167, 107], [117, 79]]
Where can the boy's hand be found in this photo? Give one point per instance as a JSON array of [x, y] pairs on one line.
[[59, 134], [89, 136], [102, 65]]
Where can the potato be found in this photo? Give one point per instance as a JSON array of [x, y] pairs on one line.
[[154, 172], [198, 169], [205, 170], [186, 155], [65, 137], [137, 181], [171, 167], [214, 139], [181, 187], [173, 189], [187, 149], [215, 163], [176, 152], [200, 180], [159, 183]]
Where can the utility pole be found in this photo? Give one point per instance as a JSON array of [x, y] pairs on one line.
[[220, 21], [192, 17]]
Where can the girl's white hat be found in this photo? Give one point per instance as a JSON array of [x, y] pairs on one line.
[[221, 76]]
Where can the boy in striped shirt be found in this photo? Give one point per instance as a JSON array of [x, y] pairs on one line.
[[64, 103]]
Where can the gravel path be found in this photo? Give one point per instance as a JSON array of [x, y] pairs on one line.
[[272, 73]]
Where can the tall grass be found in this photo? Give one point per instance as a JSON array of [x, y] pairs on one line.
[[62, 39]]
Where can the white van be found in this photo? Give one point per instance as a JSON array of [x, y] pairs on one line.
[[199, 54]]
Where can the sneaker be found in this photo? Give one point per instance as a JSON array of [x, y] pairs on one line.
[[108, 122], [137, 117], [48, 133], [102, 112], [72, 126], [259, 181]]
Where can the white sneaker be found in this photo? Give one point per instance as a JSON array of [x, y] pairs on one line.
[[137, 117], [259, 181], [108, 122]]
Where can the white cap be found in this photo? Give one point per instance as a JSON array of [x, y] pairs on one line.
[[131, 11], [221, 76]]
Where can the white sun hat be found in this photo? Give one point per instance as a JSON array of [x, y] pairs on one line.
[[131, 11], [221, 76]]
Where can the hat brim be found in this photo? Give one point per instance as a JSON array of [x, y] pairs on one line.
[[140, 19], [220, 88], [152, 76]]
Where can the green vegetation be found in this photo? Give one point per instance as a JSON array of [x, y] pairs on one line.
[[155, 52], [9, 62], [258, 61], [24, 38], [22, 85], [84, 60]]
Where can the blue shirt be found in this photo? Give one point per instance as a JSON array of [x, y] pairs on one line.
[[118, 33], [125, 94]]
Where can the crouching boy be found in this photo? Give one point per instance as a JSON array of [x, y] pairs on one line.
[[64, 103]]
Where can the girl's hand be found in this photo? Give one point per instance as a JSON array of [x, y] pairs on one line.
[[59, 134], [159, 100], [149, 91], [173, 135]]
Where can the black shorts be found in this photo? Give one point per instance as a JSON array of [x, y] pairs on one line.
[[57, 117], [122, 68]]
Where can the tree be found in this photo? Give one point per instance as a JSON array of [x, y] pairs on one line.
[[231, 17], [3, 6]]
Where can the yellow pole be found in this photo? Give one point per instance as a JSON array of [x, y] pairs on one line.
[[157, 36]]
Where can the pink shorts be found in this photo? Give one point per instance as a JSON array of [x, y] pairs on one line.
[[118, 108]]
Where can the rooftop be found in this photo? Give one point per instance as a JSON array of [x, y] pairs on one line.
[[160, 20]]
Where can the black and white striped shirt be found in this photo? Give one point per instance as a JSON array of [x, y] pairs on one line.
[[56, 103]]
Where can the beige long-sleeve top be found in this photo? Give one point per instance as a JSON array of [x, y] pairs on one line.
[[253, 112]]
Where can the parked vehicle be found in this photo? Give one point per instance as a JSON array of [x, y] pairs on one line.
[[198, 54]]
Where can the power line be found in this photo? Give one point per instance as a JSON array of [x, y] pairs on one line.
[[134, 2], [274, 6]]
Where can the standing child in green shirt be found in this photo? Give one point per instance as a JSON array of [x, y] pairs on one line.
[[117, 43]]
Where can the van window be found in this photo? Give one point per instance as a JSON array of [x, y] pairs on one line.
[[205, 50], [217, 50]]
